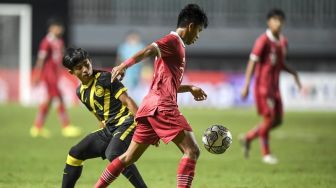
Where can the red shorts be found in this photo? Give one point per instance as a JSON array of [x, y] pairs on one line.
[[51, 82], [164, 125], [269, 106]]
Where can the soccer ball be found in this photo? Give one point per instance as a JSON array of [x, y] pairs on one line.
[[217, 139]]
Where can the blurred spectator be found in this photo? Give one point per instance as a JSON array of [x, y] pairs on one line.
[[127, 49]]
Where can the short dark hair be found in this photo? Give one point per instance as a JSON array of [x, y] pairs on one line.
[[192, 13], [55, 21], [276, 12], [73, 57]]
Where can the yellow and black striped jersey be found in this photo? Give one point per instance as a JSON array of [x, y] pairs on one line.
[[100, 96]]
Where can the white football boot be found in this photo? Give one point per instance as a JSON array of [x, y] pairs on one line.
[[269, 159]]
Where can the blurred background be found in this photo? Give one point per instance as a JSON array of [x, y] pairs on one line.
[[217, 61], [305, 144]]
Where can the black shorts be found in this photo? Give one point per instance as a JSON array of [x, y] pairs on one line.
[[104, 143]]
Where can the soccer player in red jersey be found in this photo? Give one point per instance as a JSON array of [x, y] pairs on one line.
[[268, 60], [158, 116], [48, 69]]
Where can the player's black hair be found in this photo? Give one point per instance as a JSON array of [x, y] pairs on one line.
[[276, 12], [192, 13], [72, 57], [55, 21]]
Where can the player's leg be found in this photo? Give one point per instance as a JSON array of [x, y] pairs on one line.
[[276, 120], [252, 134], [37, 129], [144, 136], [113, 170], [43, 111], [187, 143], [118, 145], [264, 130], [171, 125], [92, 146], [278, 112], [68, 130], [270, 118], [62, 113]]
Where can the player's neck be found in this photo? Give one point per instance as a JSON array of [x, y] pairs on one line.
[[276, 34], [181, 32], [87, 81]]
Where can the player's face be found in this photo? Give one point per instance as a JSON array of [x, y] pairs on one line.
[[57, 30], [193, 33], [83, 70], [275, 24]]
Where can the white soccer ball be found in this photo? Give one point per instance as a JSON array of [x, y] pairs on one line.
[[217, 139]]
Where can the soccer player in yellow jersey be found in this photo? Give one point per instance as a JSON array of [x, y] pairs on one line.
[[115, 111]]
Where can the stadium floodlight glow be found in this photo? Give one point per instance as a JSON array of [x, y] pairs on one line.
[[24, 12]]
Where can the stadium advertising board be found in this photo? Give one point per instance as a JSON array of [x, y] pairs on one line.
[[223, 89]]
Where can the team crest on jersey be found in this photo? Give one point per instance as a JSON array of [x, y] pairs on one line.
[[99, 91]]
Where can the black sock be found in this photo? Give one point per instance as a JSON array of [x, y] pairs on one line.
[[71, 175], [133, 175]]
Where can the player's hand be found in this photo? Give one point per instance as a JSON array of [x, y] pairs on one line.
[[102, 124], [118, 72], [244, 93], [36, 80], [198, 93]]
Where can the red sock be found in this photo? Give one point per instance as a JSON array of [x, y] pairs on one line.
[[264, 129], [185, 172], [41, 115], [63, 116], [111, 173]]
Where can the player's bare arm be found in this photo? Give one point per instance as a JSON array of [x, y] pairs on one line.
[[198, 93], [149, 51], [295, 75], [128, 102], [38, 67], [248, 75]]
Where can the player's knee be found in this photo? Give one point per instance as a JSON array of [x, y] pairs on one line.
[[73, 161], [263, 130], [193, 152], [128, 158], [111, 156], [76, 152]]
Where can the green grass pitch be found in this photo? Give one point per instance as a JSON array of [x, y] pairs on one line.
[[304, 144]]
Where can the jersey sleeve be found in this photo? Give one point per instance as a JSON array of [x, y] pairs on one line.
[[258, 48], [43, 49], [117, 88], [165, 46]]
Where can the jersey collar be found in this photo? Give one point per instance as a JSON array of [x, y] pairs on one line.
[[174, 33], [51, 37], [271, 36], [88, 84]]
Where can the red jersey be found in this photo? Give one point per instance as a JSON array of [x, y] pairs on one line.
[[168, 73], [51, 50], [269, 53]]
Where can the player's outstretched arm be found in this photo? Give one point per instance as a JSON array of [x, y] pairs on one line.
[[38, 68], [295, 75], [149, 51], [128, 102], [248, 75], [198, 93]]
